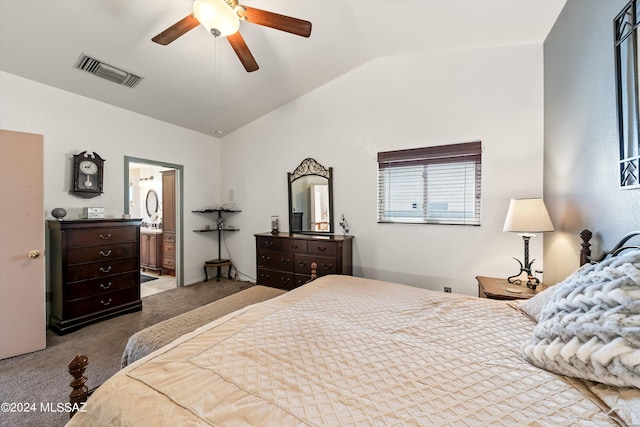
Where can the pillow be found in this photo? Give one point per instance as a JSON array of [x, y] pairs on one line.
[[533, 306], [590, 326]]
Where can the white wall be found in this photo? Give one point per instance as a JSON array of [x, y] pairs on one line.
[[71, 124], [581, 138], [494, 95]]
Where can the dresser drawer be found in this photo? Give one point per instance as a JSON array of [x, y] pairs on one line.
[[325, 266], [168, 238], [169, 248], [101, 236], [100, 286], [169, 262], [302, 263], [294, 245], [97, 303], [94, 270], [301, 279], [275, 260], [323, 248], [277, 279], [101, 253], [268, 243]]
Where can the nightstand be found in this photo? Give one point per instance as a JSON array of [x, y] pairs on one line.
[[496, 288]]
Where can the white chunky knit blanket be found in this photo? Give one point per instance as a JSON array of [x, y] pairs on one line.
[[590, 328]]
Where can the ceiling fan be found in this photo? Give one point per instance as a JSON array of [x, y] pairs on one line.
[[222, 19]]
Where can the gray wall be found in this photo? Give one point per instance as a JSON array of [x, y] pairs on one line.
[[581, 149]]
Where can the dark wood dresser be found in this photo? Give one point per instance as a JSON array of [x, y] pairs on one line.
[[284, 260], [93, 271]]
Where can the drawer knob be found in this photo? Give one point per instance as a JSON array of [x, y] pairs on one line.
[[107, 286], [268, 243], [294, 246], [107, 237], [105, 270], [105, 303], [285, 260], [105, 254], [265, 258], [327, 266], [322, 248], [264, 276], [302, 263], [285, 280]]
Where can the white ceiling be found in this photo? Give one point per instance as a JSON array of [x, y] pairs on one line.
[[42, 39]]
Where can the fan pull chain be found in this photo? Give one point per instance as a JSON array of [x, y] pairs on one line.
[[217, 101]]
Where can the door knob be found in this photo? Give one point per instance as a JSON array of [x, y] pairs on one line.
[[34, 253]]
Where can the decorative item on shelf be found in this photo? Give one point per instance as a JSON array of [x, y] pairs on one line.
[[344, 224], [93, 213], [526, 216], [220, 222], [275, 224], [87, 175], [58, 213]]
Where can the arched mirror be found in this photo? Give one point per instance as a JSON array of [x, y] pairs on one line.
[[152, 203], [310, 198]]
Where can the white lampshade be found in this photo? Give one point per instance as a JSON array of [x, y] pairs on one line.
[[217, 17], [527, 216]]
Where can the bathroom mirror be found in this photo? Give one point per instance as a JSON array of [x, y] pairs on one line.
[[310, 198], [152, 203]]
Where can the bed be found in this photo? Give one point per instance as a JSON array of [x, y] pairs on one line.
[[349, 351]]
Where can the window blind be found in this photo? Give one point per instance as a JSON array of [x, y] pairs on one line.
[[431, 185]]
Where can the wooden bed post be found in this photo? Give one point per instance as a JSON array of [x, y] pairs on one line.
[[80, 391], [585, 250], [314, 271]]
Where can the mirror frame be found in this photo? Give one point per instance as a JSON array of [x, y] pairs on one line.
[[626, 31], [147, 199], [311, 167]]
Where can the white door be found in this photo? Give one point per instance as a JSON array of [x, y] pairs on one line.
[[22, 280]]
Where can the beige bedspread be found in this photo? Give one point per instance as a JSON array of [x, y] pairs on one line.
[[350, 352]]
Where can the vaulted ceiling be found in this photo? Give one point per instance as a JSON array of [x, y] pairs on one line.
[[41, 40]]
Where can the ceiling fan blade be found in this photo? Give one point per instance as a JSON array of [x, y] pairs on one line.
[[242, 50], [279, 22], [176, 30]]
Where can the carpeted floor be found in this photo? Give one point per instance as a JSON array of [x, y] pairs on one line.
[[42, 376]]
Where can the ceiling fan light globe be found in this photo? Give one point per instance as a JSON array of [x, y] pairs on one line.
[[217, 17]]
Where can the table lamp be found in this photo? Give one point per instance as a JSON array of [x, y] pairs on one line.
[[525, 217]]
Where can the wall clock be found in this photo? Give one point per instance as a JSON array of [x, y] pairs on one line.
[[87, 175]]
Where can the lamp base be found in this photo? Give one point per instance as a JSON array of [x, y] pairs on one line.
[[526, 267], [514, 279]]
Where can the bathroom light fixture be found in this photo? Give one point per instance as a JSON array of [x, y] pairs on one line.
[[526, 216], [217, 17]]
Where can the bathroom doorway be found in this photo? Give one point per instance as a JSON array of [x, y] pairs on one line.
[[153, 192]]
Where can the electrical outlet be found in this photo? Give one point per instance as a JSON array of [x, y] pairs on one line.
[[447, 289]]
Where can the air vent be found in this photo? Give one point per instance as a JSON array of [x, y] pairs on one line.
[[106, 71]]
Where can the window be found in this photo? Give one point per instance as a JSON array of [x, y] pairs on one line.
[[431, 185]]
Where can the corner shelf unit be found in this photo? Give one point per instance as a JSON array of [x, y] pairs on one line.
[[220, 216]]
